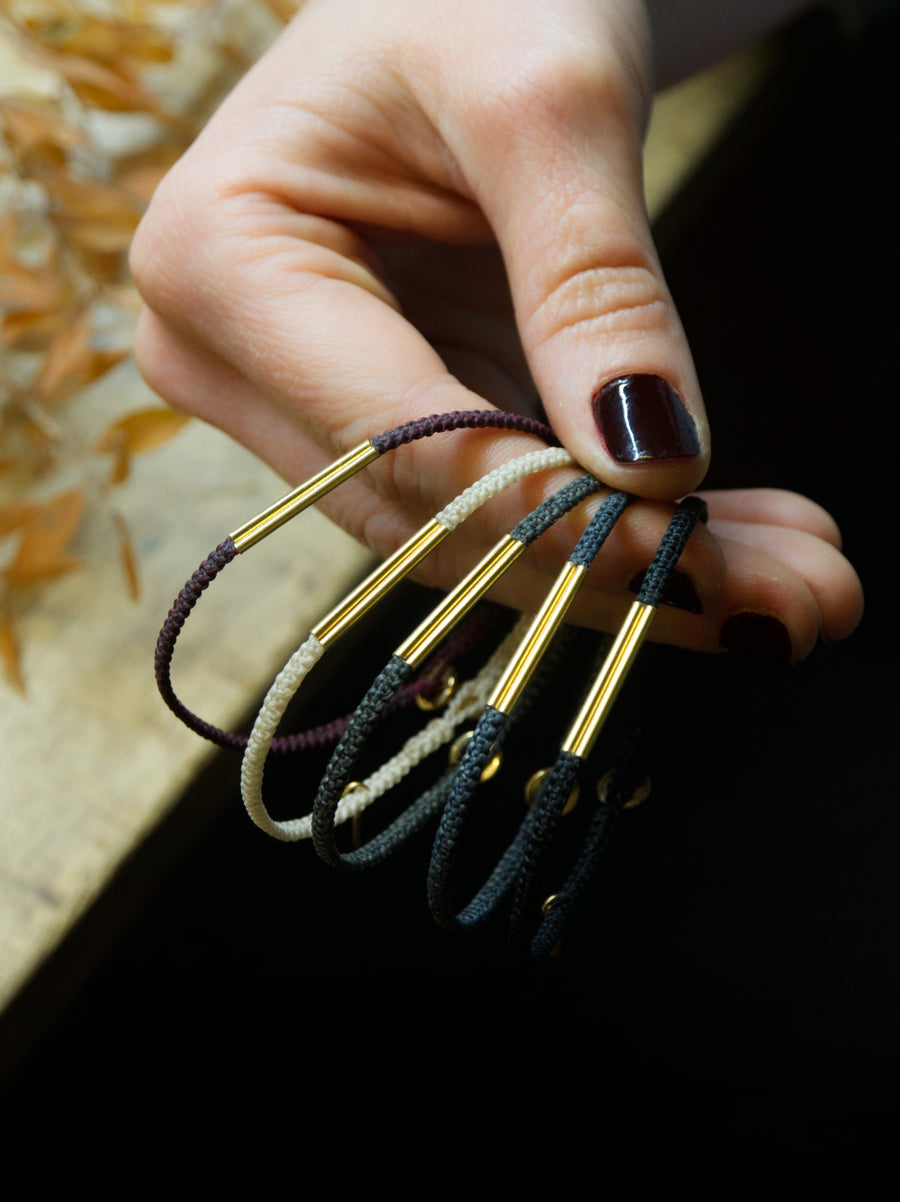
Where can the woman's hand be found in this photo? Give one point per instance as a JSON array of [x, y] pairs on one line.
[[409, 207]]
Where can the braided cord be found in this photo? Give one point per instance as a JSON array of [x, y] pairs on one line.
[[349, 748], [469, 419], [171, 628], [550, 803], [468, 700], [445, 850], [449, 517]]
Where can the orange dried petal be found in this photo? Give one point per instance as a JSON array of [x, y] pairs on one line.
[[142, 431], [68, 354], [10, 653], [45, 537]]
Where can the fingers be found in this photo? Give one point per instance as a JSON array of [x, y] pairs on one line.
[[764, 591], [554, 157], [291, 303]]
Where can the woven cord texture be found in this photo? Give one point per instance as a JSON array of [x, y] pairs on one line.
[[599, 529], [345, 755], [499, 479], [690, 511], [554, 508], [627, 775], [447, 839], [469, 419], [598, 839], [468, 701], [547, 813], [171, 628], [226, 552], [272, 710]]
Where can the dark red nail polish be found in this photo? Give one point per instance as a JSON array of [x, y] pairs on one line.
[[642, 419], [680, 591], [758, 636]]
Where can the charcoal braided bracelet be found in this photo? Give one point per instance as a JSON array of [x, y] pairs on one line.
[[404, 661], [293, 503], [621, 785], [324, 634], [490, 729]]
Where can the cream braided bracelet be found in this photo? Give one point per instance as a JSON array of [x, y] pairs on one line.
[[298, 667]]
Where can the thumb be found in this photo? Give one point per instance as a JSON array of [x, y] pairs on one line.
[[604, 343]]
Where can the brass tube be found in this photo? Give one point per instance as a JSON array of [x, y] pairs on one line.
[[380, 582], [301, 498], [610, 679], [545, 625], [429, 633]]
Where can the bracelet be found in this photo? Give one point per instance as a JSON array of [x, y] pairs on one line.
[[624, 787], [490, 729], [410, 654], [276, 515], [343, 616], [354, 797], [465, 703]]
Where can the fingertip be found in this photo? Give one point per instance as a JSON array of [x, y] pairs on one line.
[[639, 433]]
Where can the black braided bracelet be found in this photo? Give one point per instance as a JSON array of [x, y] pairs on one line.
[[401, 665], [490, 729], [273, 517], [559, 783]]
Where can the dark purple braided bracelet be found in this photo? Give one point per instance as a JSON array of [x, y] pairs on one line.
[[295, 502]]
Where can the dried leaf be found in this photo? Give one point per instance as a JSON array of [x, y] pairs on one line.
[[68, 355], [30, 291], [92, 81], [78, 199], [9, 651], [30, 123], [116, 43], [284, 10], [118, 448], [45, 536], [102, 239], [128, 557], [14, 516], [28, 331], [142, 431], [9, 228]]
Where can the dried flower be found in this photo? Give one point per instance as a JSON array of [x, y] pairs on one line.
[[105, 107]]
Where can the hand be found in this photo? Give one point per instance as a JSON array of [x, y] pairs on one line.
[[409, 207]]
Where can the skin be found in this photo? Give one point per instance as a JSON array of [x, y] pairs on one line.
[[409, 207]]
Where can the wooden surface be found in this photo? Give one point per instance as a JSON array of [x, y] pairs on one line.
[[90, 760]]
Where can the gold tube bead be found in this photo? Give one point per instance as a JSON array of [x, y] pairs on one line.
[[429, 633], [379, 583], [301, 498], [610, 679], [545, 625]]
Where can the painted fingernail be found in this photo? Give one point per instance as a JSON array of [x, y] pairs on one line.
[[759, 636], [679, 593], [642, 419]]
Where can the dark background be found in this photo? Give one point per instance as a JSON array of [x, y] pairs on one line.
[[724, 1010]]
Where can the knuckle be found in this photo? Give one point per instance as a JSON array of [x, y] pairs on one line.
[[624, 301], [171, 239], [544, 91]]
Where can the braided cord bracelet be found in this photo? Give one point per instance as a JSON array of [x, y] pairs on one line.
[[296, 502], [466, 702], [325, 633], [411, 653], [354, 797], [490, 727], [621, 786]]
